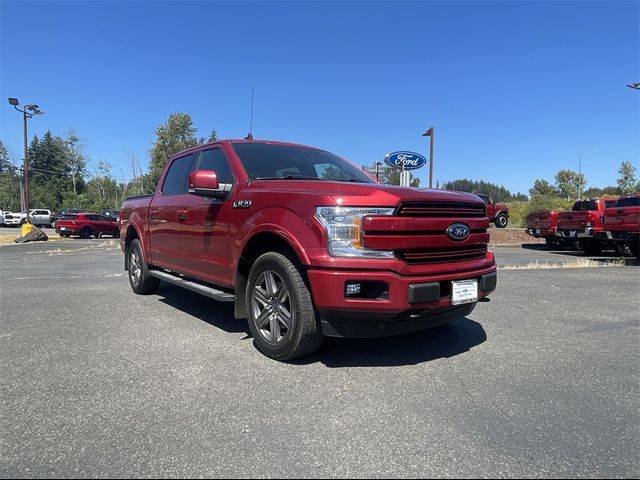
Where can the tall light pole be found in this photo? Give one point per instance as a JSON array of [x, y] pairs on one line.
[[33, 111], [429, 133], [580, 169]]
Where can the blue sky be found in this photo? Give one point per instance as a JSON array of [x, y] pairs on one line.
[[515, 90]]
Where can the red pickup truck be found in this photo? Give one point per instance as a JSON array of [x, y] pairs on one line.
[[498, 213], [307, 245], [544, 224], [622, 224], [584, 224]]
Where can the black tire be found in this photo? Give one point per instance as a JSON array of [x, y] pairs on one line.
[[590, 247], [501, 221], [288, 326], [115, 233], [86, 232], [65, 235], [552, 242], [635, 250], [141, 282]]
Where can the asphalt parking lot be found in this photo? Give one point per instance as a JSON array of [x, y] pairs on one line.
[[542, 381]]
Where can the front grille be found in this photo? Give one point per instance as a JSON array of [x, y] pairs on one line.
[[444, 255], [441, 209]]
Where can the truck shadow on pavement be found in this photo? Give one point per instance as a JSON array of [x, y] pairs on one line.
[[450, 340], [456, 338], [216, 314]]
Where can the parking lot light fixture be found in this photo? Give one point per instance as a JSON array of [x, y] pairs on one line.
[[33, 110]]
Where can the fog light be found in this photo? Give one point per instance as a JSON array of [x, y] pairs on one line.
[[352, 288]]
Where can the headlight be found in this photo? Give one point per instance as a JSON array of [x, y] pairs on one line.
[[344, 229]]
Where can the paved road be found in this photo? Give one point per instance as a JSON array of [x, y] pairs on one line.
[[541, 381]]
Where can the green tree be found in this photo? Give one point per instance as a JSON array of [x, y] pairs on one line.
[[542, 187], [178, 133], [497, 192], [391, 176], [9, 182], [627, 182], [76, 160], [569, 183]]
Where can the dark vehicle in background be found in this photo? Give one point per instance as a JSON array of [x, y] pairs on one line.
[[621, 224], [544, 224], [498, 213], [583, 224], [67, 211], [111, 214], [87, 225]]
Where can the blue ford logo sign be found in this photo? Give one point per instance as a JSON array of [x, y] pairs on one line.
[[458, 232], [410, 160]]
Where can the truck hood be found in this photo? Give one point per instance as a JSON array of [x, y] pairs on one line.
[[364, 194]]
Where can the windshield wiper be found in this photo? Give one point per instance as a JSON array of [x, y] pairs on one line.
[[289, 177], [359, 180]]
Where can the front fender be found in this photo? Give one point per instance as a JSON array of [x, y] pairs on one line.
[[284, 222]]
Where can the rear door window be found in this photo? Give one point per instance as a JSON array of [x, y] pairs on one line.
[[628, 202], [175, 181]]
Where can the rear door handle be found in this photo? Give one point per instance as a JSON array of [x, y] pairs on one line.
[[182, 214]]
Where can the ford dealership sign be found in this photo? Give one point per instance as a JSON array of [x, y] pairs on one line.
[[410, 160]]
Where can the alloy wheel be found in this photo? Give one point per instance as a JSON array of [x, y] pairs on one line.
[[271, 307]]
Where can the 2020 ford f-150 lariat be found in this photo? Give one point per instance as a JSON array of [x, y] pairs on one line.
[[307, 245]]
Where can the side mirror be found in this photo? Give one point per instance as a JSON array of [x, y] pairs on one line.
[[204, 183]]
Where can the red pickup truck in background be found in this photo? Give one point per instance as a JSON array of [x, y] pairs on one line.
[[621, 224], [498, 213], [544, 224], [584, 224], [307, 245]]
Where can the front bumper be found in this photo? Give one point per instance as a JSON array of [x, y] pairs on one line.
[[410, 303]]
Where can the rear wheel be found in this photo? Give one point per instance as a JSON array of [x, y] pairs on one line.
[[590, 247], [115, 233], [281, 314], [501, 221], [141, 282], [86, 232]]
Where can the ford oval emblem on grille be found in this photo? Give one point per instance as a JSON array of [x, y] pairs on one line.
[[458, 232]]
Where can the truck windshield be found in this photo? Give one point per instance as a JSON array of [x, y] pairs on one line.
[[264, 161]]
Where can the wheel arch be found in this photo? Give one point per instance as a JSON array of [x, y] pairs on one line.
[[258, 244]]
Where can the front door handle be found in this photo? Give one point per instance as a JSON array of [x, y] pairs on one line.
[[182, 214]]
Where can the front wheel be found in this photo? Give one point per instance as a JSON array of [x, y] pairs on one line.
[[141, 282], [501, 221], [281, 314]]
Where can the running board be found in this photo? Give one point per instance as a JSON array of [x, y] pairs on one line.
[[218, 295]]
